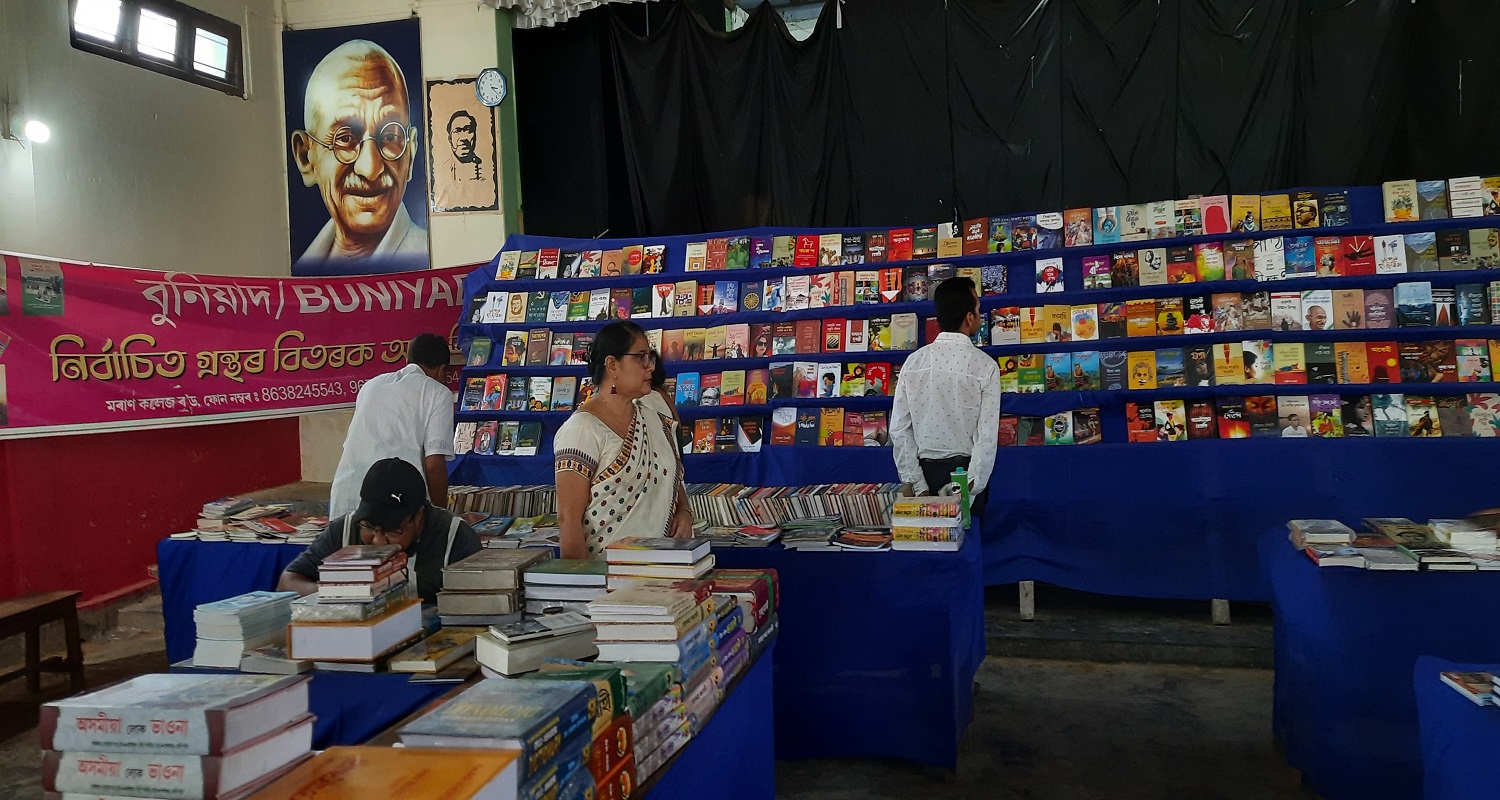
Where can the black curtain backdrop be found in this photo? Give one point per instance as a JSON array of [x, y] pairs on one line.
[[641, 120]]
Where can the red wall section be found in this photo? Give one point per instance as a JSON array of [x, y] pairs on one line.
[[85, 512]]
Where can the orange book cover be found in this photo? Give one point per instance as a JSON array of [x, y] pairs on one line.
[[397, 773]]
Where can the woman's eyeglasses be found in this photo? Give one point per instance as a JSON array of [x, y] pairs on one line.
[[648, 358]]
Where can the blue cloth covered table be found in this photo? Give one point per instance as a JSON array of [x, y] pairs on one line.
[[877, 652], [193, 573], [353, 707], [1347, 641], [734, 756], [1459, 739]]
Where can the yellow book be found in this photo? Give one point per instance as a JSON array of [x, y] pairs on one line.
[[1142, 366], [1033, 325], [715, 340], [437, 651], [1244, 213], [399, 773], [1275, 212], [1229, 364], [831, 427], [952, 248], [1058, 323], [1140, 318]]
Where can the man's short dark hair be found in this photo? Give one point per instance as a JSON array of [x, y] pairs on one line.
[[428, 350], [462, 113], [955, 298]]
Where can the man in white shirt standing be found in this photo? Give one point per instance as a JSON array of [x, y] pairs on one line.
[[947, 408], [406, 414]]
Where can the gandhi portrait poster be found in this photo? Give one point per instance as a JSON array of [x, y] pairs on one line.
[[356, 170], [461, 153]]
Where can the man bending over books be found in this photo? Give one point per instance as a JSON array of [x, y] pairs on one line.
[[947, 409], [393, 509]]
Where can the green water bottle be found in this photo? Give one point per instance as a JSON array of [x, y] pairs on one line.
[[960, 478]]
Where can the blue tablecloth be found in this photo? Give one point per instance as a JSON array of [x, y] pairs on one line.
[[877, 652], [193, 573], [734, 757], [352, 707], [1347, 641], [1460, 740]]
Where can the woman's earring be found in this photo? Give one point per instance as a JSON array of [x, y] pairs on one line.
[[613, 390]]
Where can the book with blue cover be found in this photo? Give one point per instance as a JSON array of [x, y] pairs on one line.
[[536, 717], [1301, 258]]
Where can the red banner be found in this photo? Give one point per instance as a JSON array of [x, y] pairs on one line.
[[85, 348]]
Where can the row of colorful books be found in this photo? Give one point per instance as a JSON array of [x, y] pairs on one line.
[[500, 392], [734, 504], [1470, 196], [1279, 258], [1295, 416], [497, 438], [541, 347], [1251, 362], [785, 380], [1397, 543], [693, 299], [503, 501], [235, 519], [1077, 227], [1414, 304]]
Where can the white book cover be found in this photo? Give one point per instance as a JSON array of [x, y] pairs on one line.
[[1390, 255], [1270, 259]]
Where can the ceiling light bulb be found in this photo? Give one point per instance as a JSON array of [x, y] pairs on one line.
[[37, 131]]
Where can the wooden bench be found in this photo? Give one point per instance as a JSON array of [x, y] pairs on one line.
[[27, 615]]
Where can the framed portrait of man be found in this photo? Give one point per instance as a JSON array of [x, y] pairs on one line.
[[356, 176], [461, 158]]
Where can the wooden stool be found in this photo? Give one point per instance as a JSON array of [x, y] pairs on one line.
[[27, 615]]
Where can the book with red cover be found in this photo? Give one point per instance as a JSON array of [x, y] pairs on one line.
[[806, 254], [854, 429], [808, 331], [1140, 422], [833, 335], [1384, 362], [877, 378], [899, 245], [976, 236], [891, 285], [1358, 255], [718, 254], [784, 426], [930, 329]]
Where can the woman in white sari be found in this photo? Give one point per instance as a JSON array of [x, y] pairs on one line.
[[618, 473]]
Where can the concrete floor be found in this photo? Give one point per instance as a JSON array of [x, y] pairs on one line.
[[1055, 727]]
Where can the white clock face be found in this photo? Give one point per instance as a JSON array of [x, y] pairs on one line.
[[490, 87]]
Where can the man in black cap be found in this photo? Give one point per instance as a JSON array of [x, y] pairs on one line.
[[406, 414], [393, 509]]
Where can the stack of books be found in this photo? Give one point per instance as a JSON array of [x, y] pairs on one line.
[[1397, 543], [361, 573], [752, 590], [445, 655], [227, 629], [865, 540], [551, 722], [421, 774], [814, 533], [231, 519], [927, 523], [563, 584], [485, 588], [363, 613], [661, 722], [740, 536], [539, 531], [669, 625], [212, 737], [1421, 544], [522, 646], [642, 560], [1478, 688], [1465, 535]]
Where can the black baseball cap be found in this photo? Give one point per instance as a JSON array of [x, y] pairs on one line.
[[393, 490]]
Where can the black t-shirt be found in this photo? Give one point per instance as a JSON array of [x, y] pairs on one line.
[[428, 549]]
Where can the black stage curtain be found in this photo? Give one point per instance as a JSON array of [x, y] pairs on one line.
[[643, 120]]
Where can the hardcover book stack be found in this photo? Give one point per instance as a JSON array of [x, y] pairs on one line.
[[485, 588], [664, 625], [643, 560], [552, 724], [540, 531], [564, 584], [355, 773], [522, 646], [653, 702], [207, 737], [811, 533], [228, 629], [927, 523], [364, 611]]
